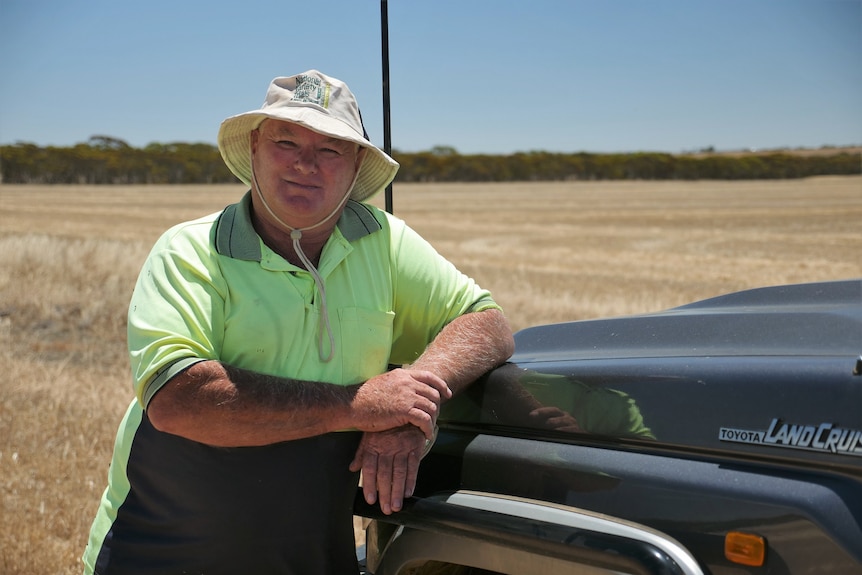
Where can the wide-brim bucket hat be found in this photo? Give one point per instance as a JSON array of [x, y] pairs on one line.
[[317, 102]]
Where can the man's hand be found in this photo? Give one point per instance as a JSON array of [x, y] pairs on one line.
[[397, 398], [389, 461], [551, 417]]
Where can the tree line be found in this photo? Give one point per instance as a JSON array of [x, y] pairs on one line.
[[107, 160]]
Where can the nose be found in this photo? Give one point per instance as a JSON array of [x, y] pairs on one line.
[[305, 161]]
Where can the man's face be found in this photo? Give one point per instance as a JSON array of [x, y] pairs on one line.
[[302, 175]]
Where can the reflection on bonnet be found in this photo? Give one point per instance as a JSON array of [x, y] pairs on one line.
[[536, 400]]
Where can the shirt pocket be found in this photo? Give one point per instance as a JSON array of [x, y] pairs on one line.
[[366, 338]]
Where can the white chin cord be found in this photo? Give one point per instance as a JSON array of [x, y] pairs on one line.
[[296, 236]]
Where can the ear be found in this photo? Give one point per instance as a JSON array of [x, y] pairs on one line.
[[360, 155], [253, 138]]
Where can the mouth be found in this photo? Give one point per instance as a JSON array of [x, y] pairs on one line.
[[303, 186]]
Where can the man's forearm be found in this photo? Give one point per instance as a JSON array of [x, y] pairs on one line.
[[468, 347], [225, 406]]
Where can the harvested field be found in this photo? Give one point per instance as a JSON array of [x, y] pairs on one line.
[[549, 252]]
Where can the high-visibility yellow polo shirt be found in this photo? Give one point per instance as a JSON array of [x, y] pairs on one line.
[[211, 289]]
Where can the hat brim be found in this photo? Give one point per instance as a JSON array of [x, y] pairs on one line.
[[234, 142]]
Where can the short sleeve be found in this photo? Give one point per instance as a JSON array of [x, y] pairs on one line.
[[429, 291], [176, 313]]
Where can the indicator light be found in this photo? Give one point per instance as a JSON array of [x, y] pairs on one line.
[[745, 548]]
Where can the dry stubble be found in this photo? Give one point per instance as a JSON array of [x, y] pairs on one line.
[[549, 252]]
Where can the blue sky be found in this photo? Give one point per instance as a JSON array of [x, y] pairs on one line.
[[482, 76]]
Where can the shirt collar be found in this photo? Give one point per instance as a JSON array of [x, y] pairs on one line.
[[235, 236]]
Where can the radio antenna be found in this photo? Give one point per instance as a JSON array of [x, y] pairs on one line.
[[387, 130]]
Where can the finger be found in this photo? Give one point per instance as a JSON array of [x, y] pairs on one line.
[[546, 411], [399, 478], [412, 473], [423, 420], [384, 484], [369, 478], [421, 394], [356, 464], [434, 382]]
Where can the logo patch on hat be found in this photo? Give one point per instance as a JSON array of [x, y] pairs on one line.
[[312, 91]]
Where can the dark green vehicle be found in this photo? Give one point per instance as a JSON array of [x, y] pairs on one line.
[[722, 437]]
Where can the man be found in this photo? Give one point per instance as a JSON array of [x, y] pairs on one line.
[[260, 339]]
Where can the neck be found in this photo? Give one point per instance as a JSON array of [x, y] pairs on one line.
[[279, 240], [279, 235]]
